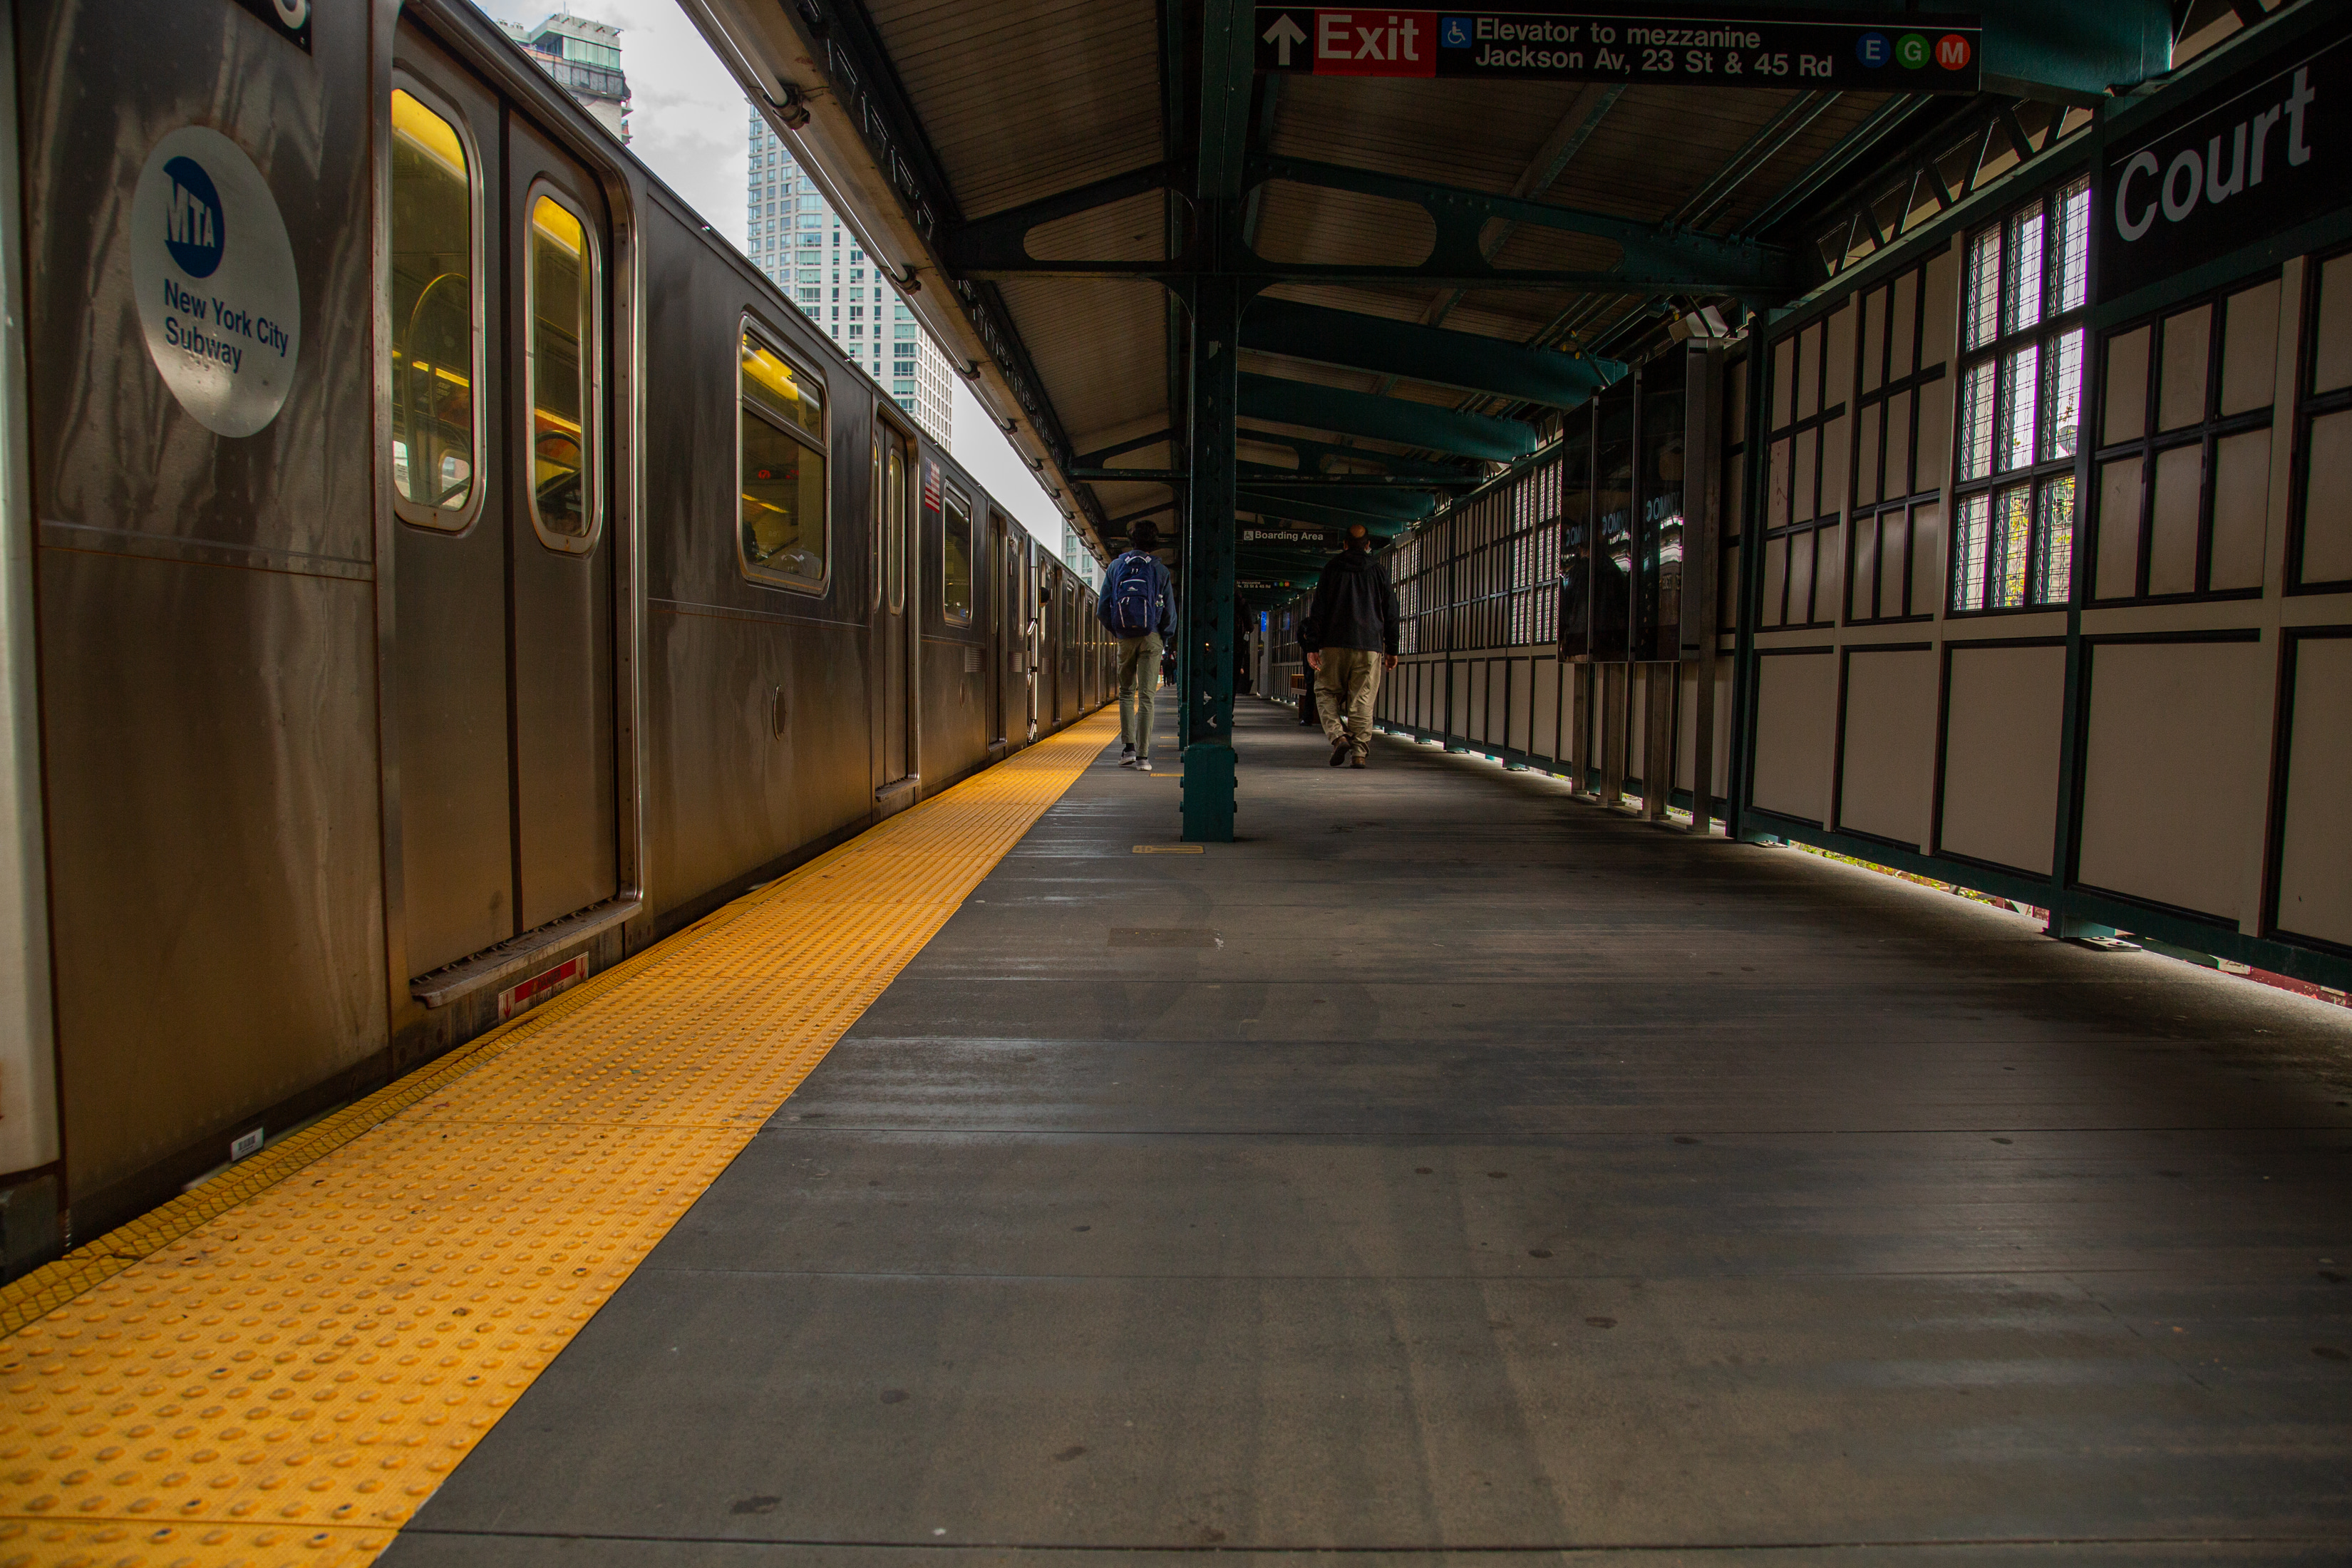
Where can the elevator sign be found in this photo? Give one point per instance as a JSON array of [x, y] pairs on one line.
[[1909, 52]]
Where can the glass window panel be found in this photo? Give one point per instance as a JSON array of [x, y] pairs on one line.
[[2022, 288], [781, 390], [1726, 598], [781, 494], [892, 523], [1865, 603], [2061, 398], [1980, 311], [2172, 535], [562, 335], [783, 504], [1784, 362], [1809, 372], [2327, 499], [1927, 541], [1776, 580], [2125, 393], [2119, 510], [2070, 250], [955, 559], [2331, 356], [2249, 349], [1777, 516], [2012, 529], [1894, 536], [1971, 542], [2180, 391], [2054, 542], [2021, 387], [433, 310], [2242, 505], [1976, 431]]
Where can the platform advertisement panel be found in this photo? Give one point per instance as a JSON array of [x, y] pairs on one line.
[[1911, 52]]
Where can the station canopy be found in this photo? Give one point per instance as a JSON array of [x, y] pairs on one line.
[[1436, 230]]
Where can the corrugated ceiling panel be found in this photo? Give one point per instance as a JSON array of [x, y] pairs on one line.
[[1101, 348], [1025, 97]]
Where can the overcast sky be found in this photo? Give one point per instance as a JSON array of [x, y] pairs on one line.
[[687, 121]]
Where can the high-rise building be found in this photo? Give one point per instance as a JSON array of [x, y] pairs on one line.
[[584, 58], [801, 244]]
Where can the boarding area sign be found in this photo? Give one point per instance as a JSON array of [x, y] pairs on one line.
[[1906, 52]]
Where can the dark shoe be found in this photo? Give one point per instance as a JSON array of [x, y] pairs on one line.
[[1339, 753], [1356, 761]]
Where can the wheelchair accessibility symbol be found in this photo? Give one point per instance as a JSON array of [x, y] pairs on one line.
[[1456, 34]]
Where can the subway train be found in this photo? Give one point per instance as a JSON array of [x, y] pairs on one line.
[[437, 566]]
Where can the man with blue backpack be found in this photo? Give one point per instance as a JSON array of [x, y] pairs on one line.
[[1139, 609]]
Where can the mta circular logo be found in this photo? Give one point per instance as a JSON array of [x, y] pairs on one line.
[[1872, 49], [192, 230], [1912, 50]]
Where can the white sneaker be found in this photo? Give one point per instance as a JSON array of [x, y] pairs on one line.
[[1143, 764], [1127, 761]]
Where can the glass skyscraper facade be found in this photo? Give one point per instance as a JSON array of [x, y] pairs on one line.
[[801, 244]]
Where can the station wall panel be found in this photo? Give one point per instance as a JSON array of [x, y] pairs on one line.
[[2175, 770], [1686, 729], [1887, 763], [1796, 713], [2005, 711], [1544, 727], [2315, 866]]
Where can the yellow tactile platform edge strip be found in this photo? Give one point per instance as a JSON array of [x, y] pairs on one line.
[[281, 1366]]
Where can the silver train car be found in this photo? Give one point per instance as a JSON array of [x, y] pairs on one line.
[[437, 567]]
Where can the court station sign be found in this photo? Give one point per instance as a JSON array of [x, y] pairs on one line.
[[1907, 52]]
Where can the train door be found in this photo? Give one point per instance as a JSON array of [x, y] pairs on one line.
[[1003, 611], [502, 554], [1049, 614], [893, 558]]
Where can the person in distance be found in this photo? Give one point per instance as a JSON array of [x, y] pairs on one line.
[[1138, 607], [1349, 636]]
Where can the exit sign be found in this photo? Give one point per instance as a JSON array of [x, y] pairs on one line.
[[1906, 52]]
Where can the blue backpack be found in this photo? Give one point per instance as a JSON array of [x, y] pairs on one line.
[[1130, 608]]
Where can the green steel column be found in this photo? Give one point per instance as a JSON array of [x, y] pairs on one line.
[[1206, 597]]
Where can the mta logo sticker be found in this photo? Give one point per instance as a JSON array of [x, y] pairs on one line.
[[194, 231]]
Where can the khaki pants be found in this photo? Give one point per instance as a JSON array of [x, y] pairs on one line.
[[1345, 689], [1139, 677]]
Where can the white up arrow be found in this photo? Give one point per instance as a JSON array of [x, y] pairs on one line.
[[1282, 34]]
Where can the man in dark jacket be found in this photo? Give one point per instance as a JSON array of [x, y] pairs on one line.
[[1351, 636]]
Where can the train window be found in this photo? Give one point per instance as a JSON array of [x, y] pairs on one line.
[[566, 499], [955, 560], [892, 525], [435, 316], [874, 564], [779, 442]]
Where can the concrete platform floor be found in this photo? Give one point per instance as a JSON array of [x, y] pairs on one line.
[[1452, 1167]]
